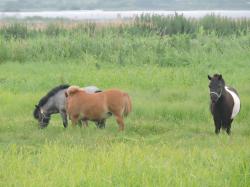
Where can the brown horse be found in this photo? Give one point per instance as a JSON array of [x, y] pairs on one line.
[[98, 106]]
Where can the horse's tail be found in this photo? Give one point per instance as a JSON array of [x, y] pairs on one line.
[[72, 90], [127, 105]]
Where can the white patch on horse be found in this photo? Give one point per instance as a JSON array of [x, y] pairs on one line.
[[236, 107], [91, 89]]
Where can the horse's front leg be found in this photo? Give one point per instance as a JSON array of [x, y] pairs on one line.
[[74, 119], [64, 118], [101, 124], [229, 122], [217, 124], [85, 123], [216, 117]]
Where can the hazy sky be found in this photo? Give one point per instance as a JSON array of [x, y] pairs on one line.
[[30, 5]]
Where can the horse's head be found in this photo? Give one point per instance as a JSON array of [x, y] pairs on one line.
[[42, 116], [216, 87]]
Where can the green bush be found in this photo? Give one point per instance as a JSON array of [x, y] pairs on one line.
[[15, 30]]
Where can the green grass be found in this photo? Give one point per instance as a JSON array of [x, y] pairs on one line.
[[169, 137]]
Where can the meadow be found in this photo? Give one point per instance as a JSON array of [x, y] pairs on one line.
[[169, 137]]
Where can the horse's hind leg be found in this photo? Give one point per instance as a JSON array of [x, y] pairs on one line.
[[120, 122]]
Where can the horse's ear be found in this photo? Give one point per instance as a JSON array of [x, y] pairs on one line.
[[220, 77], [209, 77]]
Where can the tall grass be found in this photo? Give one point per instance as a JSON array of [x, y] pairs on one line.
[[147, 40], [178, 24]]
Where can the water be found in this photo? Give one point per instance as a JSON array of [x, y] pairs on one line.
[[111, 15]]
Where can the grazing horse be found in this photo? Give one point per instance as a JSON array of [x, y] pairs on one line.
[[54, 102], [225, 103], [98, 106]]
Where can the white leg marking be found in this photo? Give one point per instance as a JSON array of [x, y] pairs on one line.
[[236, 99]]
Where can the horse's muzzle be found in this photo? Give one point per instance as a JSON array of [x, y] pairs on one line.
[[43, 125]]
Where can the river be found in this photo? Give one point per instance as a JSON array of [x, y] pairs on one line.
[[111, 15]]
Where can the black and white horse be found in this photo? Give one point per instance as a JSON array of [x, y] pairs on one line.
[[54, 102], [225, 103]]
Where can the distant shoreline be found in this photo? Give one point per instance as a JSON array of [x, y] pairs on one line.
[[112, 15]]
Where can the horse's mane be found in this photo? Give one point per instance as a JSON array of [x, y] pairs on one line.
[[44, 99]]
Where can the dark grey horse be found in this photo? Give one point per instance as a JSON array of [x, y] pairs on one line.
[[54, 102], [225, 103]]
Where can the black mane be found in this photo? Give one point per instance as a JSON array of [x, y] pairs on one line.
[[44, 99]]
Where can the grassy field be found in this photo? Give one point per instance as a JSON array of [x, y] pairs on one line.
[[169, 137]]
